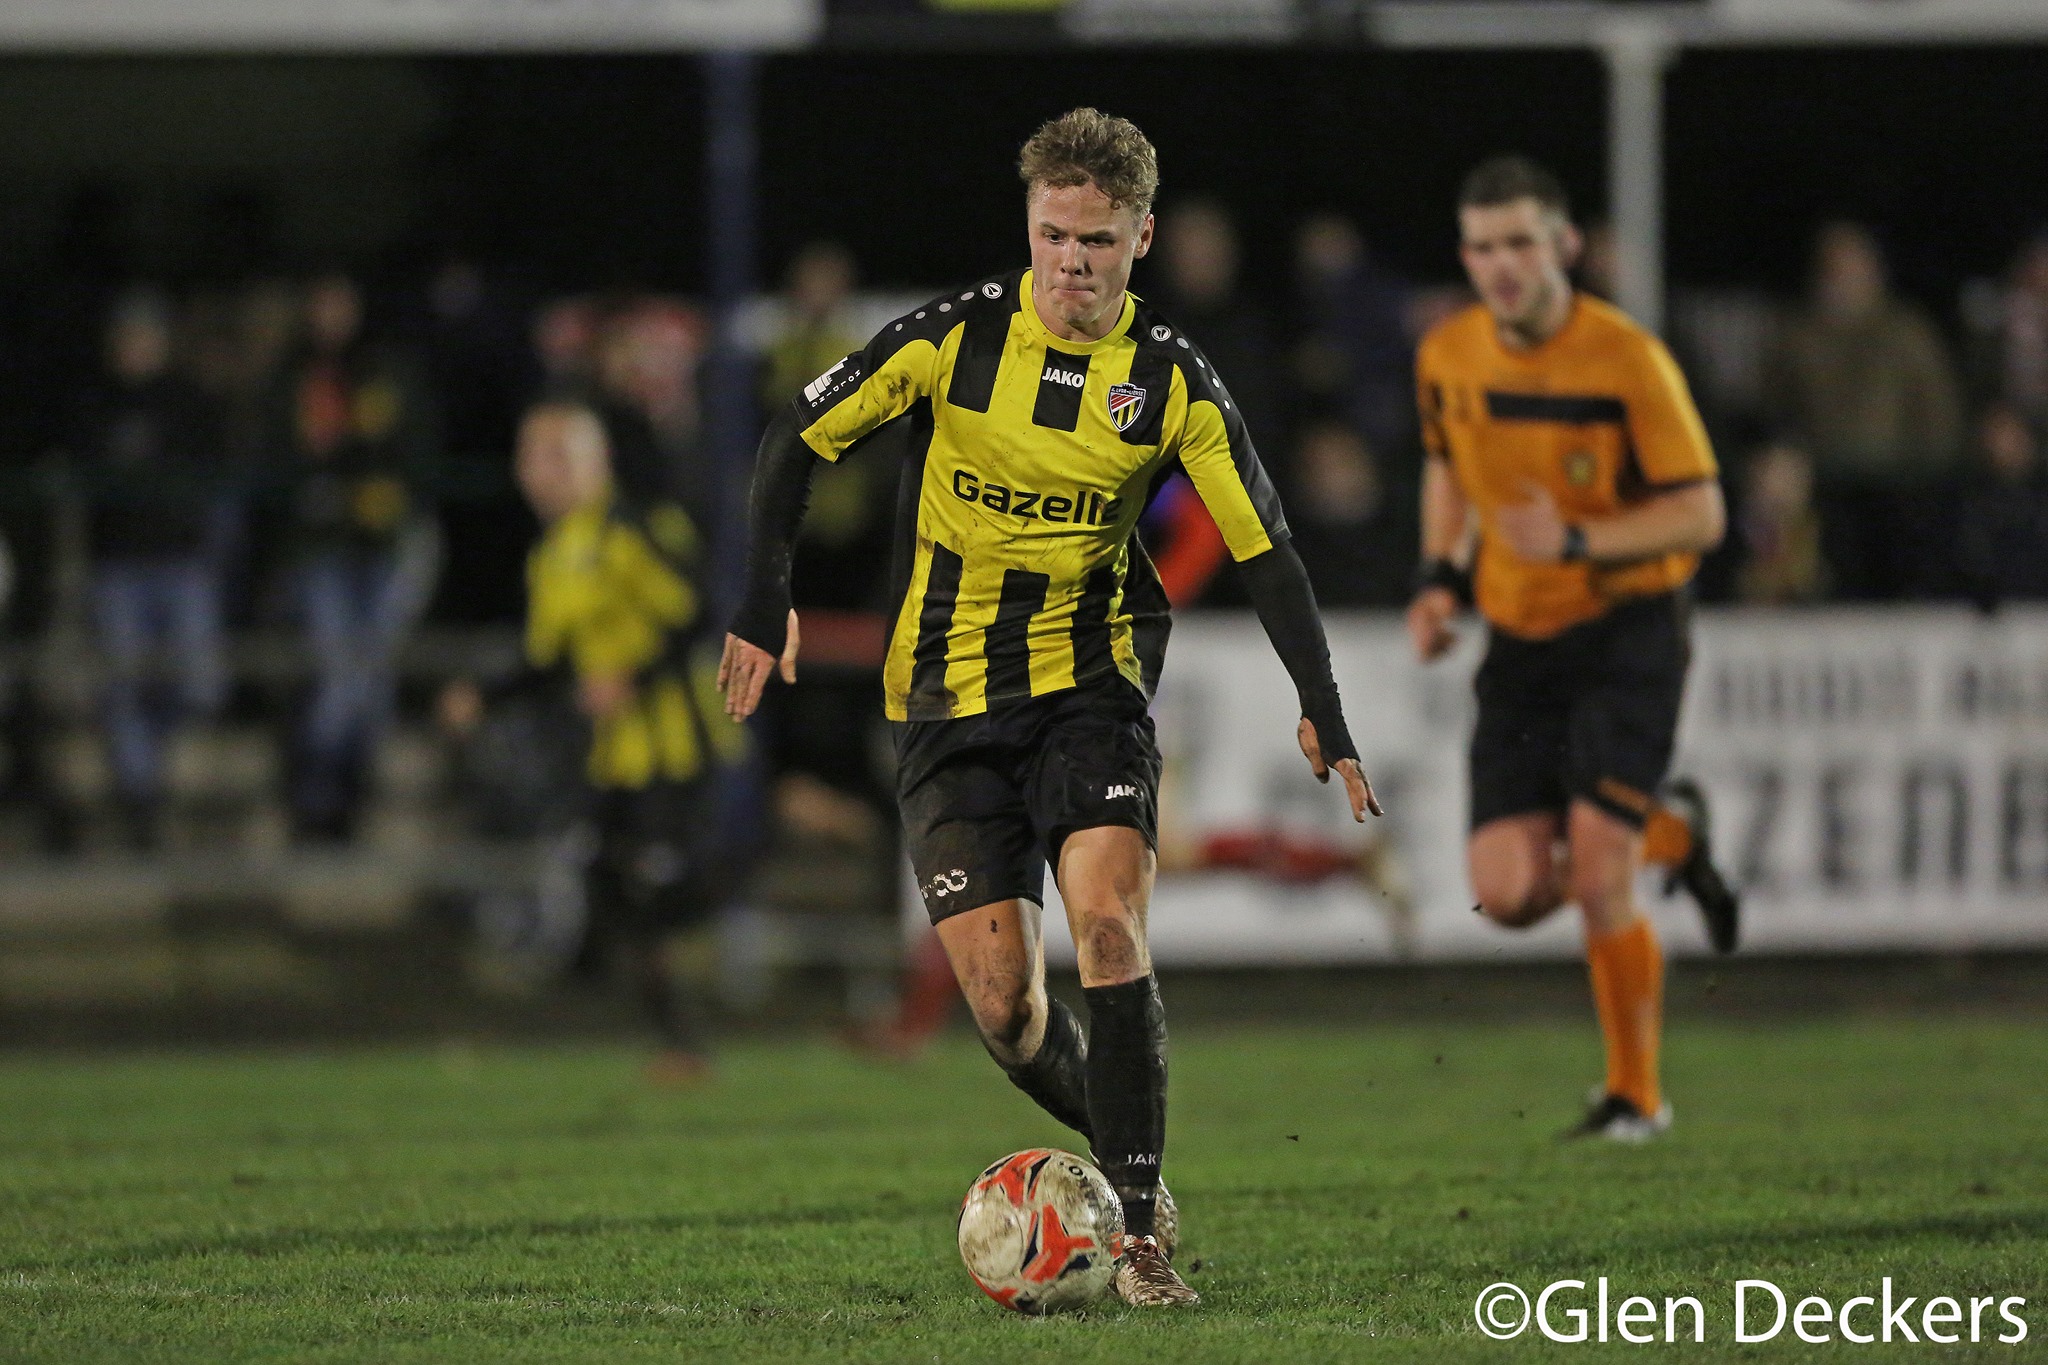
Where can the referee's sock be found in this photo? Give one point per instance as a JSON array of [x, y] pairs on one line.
[[1127, 1092], [1056, 1076], [1667, 838], [1628, 990]]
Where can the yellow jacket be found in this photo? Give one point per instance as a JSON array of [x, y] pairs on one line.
[[612, 591]]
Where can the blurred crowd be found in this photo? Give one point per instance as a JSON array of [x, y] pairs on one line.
[[284, 454]]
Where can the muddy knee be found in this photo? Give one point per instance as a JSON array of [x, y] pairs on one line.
[[1010, 1025], [1111, 947]]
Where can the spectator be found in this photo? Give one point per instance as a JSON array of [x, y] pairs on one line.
[[355, 442], [815, 332], [1781, 531], [842, 559], [146, 453], [2001, 535], [616, 598], [479, 369], [1357, 537], [1202, 292], [647, 356], [236, 344], [2010, 350], [564, 335], [1356, 357], [1865, 385], [26, 780]]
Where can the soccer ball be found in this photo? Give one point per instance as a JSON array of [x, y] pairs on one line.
[[1039, 1230]]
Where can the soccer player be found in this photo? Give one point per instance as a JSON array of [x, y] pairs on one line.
[[614, 599], [1562, 434], [1044, 406]]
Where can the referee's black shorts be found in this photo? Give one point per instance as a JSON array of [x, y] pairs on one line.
[[1589, 714], [988, 800]]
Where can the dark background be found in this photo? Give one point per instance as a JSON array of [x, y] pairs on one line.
[[556, 174], [569, 172]]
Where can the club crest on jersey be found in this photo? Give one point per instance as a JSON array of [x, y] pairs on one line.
[[1580, 468], [1126, 401]]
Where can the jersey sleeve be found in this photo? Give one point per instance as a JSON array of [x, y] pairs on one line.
[[1670, 441], [643, 564], [604, 604], [1216, 451], [547, 615], [871, 386]]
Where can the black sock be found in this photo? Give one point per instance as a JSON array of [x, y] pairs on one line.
[[1127, 1092], [675, 1010], [1056, 1076]]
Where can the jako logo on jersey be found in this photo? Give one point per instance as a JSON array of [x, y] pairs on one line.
[[1126, 401], [1067, 377], [1119, 790], [1082, 508], [823, 384]]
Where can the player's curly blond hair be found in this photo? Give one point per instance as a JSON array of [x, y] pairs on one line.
[[1086, 146]]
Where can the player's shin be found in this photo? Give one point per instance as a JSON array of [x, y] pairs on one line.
[[1056, 1076], [1127, 1092]]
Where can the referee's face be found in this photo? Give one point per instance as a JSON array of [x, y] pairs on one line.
[[1516, 255], [1082, 247]]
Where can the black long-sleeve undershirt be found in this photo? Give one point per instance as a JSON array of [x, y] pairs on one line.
[[1279, 588], [1276, 582], [783, 471]]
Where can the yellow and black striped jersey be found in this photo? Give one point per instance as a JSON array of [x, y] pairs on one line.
[[611, 592], [1031, 459]]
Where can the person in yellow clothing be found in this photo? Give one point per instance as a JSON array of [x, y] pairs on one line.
[[1569, 490], [615, 600]]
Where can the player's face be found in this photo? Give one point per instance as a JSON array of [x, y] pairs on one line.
[[1516, 256], [1082, 248], [561, 464]]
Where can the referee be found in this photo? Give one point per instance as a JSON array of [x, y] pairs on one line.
[[1570, 489]]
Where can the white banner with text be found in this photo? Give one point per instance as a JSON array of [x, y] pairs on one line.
[[1879, 781]]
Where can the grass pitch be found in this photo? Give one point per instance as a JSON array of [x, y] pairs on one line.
[[1346, 1194]]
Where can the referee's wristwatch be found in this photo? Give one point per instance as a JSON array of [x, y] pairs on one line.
[[1574, 549]]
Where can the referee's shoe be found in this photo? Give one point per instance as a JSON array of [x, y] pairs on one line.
[[1719, 905]]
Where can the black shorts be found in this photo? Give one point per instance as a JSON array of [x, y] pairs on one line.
[[660, 863], [1590, 714], [988, 800]]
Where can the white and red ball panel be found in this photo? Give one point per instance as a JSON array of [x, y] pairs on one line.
[[1038, 1231]]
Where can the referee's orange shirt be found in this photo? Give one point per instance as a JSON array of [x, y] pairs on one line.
[[1599, 415]]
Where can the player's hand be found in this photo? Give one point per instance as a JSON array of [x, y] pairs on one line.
[[744, 670], [1355, 786], [1534, 530], [603, 695], [1429, 623], [460, 708]]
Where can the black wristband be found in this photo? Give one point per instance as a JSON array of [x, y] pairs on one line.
[[1574, 548], [1443, 573]]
